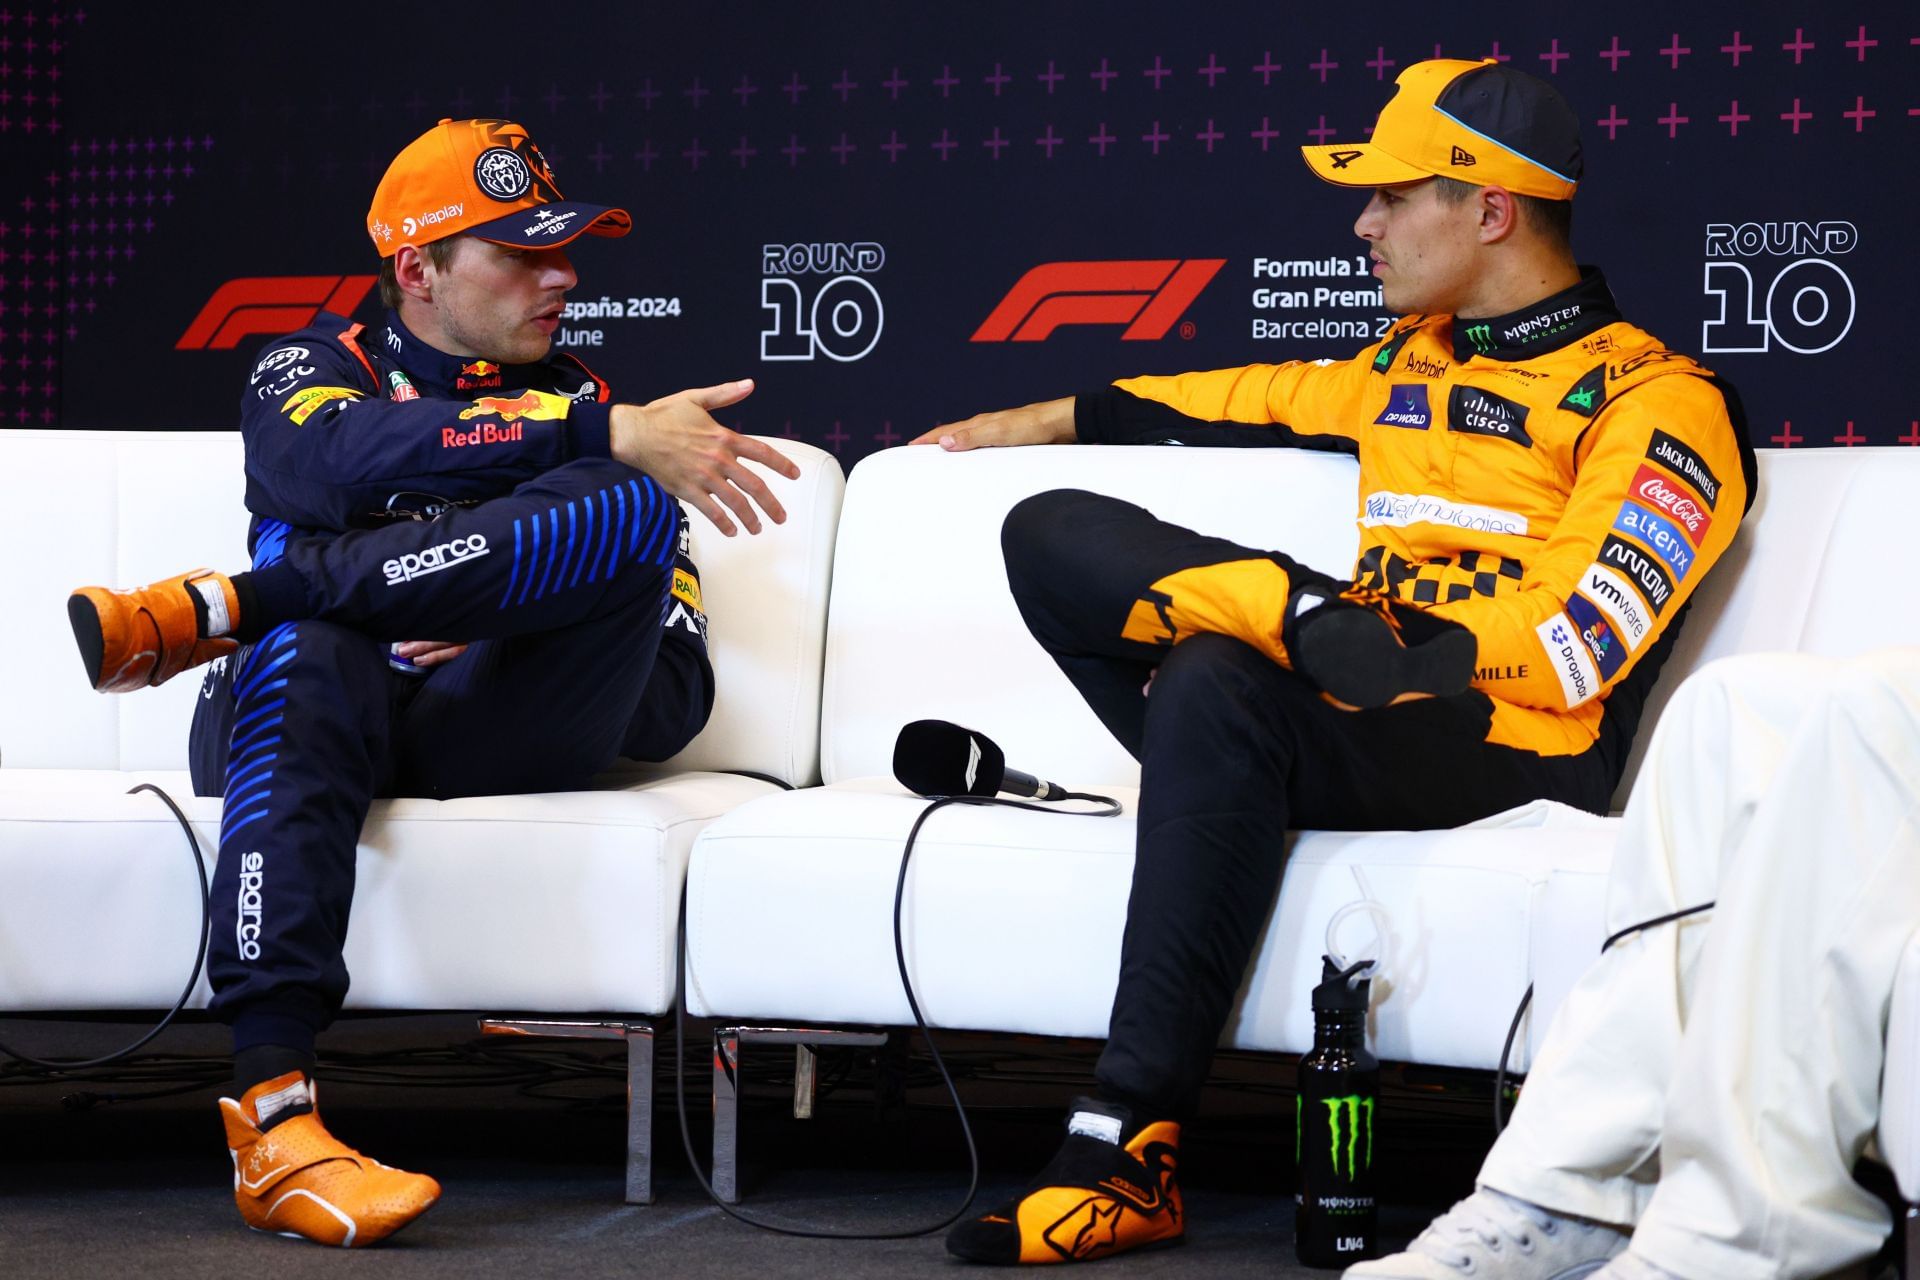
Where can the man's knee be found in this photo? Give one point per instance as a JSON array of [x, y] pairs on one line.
[[333, 674], [1062, 540], [1031, 534], [583, 476], [1223, 680], [309, 652]]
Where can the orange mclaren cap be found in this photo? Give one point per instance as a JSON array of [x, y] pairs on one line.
[[1480, 122], [485, 177]]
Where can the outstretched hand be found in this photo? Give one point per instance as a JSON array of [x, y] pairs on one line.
[[676, 441], [1048, 422]]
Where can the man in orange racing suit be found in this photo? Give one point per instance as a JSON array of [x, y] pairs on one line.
[[1542, 486]]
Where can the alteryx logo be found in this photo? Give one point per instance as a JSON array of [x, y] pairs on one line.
[[1663, 537]]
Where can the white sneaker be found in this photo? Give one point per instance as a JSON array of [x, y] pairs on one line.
[[1496, 1236], [1631, 1266]]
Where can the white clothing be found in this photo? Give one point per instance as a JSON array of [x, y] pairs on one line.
[[1714, 1081]]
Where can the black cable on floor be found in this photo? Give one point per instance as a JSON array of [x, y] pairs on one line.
[[1109, 808]]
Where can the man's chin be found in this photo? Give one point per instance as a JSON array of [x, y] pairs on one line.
[[1400, 300], [531, 350]]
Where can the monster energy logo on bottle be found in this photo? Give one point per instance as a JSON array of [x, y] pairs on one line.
[[1345, 1117], [1481, 336]]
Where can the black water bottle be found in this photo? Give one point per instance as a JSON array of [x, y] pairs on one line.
[[1335, 1220]]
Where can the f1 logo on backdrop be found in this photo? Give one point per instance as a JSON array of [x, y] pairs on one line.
[[843, 318], [1806, 306], [269, 304], [1147, 296]]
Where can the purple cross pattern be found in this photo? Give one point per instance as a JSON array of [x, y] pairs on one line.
[[38, 311], [1647, 84], [1177, 96]]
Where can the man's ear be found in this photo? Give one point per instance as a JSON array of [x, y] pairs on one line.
[[413, 273], [1499, 214]]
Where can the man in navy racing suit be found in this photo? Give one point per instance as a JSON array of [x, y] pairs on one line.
[[469, 577]]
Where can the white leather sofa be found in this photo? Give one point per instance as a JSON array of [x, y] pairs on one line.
[[561, 906], [1012, 920]]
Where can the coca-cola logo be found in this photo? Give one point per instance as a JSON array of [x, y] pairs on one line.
[[1657, 490]]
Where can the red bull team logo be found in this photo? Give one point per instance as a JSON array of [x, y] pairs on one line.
[[485, 433], [540, 406], [477, 375]]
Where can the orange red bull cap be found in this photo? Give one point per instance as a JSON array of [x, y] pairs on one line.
[[484, 177], [1479, 122]]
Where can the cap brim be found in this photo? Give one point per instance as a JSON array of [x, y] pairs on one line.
[[549, 226], [1360, 164]]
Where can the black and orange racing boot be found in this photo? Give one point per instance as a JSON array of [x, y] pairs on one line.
[[1365, 648], [296, 1179], [130, 639], [1112, 1188]]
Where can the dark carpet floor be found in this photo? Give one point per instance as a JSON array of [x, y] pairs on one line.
[[527, 1139]]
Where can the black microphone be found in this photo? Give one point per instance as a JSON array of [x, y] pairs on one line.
[[938, 758]]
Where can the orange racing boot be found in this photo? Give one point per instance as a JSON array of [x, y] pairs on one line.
[[1110, 1189], [148, 635], [299, 1180]]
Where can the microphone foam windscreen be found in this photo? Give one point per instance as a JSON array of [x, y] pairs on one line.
[[939, 758]]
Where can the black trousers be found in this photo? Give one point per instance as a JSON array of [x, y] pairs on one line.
[[578, 657], [1235, 750]]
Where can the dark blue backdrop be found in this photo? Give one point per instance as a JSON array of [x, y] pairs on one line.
[[1745, 164]]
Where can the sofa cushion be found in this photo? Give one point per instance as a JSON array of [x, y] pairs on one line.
[[1013, 920], [557, 903], [922, 623]]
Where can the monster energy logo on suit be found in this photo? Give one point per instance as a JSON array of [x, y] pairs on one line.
[[1481, 336]]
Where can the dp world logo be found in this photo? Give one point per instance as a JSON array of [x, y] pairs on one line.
[[1347, 1117]]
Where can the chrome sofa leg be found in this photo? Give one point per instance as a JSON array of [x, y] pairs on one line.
[[727, 1043], [639, 1038]]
